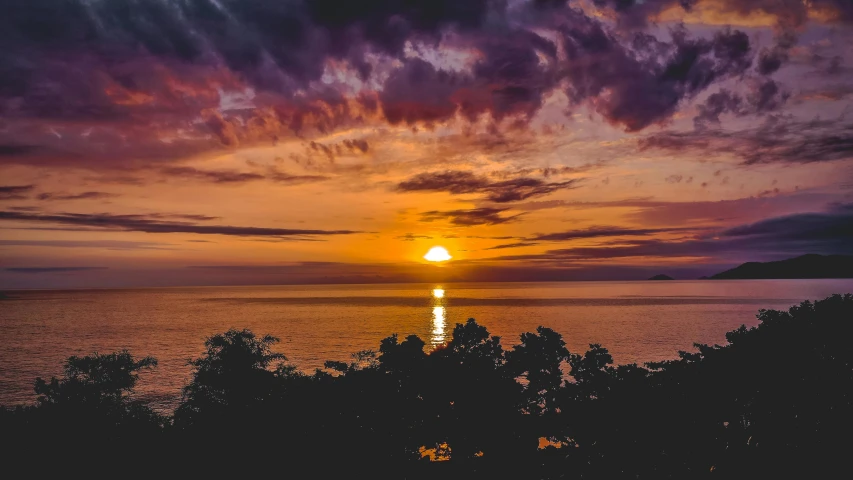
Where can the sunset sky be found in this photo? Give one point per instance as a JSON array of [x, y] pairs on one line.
[[201, 142]]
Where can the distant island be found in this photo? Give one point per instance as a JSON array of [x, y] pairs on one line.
[[661, 277], [805, 266]]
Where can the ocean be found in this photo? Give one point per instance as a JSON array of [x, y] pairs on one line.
[[637, 321]]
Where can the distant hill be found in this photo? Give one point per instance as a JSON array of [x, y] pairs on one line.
[[806, 266], [661, 277]]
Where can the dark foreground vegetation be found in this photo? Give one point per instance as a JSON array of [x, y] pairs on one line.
[[775, 402]]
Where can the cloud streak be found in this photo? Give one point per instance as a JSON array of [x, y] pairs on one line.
[[470, 217], [776, 141], [457, 182], [155, 224], [76, 196], [606, 231], [774, 238], [51, 269], [15, 192]]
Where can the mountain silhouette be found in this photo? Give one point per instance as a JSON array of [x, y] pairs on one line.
[[805, 266]]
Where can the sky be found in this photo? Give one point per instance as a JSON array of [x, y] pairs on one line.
[[239, 142]]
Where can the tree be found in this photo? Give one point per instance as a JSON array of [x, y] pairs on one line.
[[538, 361], [230, 379]]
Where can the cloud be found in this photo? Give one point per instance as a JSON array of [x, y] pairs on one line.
[[10, 150], [15, 192], [458, 182], [605, 231], [635, 89], [787, 14], [776, 141], [827, 232], [98, 244], [764, 96], [510, 78], [75, 196], [223, 176], [215, 176], [475, 216], [835, 226], [411, 237], [334, 150], [450, 181], [155, 224], [154, 82], [512, 245], [51, 269]]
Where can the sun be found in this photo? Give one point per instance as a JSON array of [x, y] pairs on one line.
[[437, 254]]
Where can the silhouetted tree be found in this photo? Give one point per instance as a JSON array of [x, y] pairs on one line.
[[229, 381], [538, 360]]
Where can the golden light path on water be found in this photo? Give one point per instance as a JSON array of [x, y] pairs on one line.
[[439, 318]]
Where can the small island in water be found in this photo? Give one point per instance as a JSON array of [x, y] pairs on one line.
[[805, 266], [661, 277]]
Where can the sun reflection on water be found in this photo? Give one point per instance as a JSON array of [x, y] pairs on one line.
[[439, 318], [438, 324]]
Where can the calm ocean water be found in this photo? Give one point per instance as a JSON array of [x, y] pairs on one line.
[[636, 321]]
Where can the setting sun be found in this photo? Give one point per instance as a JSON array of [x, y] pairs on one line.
[[437, 254]]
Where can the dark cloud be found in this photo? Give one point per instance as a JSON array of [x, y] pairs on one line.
[[458, 182], [215, 176], [642, 84], [334, 150], [137, 73], [418, 92], [717, 104], [547, 172], [451, 181], [780, 237], [9, 150], [51, 269], [232, 176], [133, 73], [157, 224], [771, 60], [15, 192], [777, 140], [512, 245], [287, 178], [604, 231], [835, 226], [764, 96], [510, 78], [834, 67], [97, 244], [75, 196], [265, 40], [475, 216], [411, 237], [767, 97], [276, 46]]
